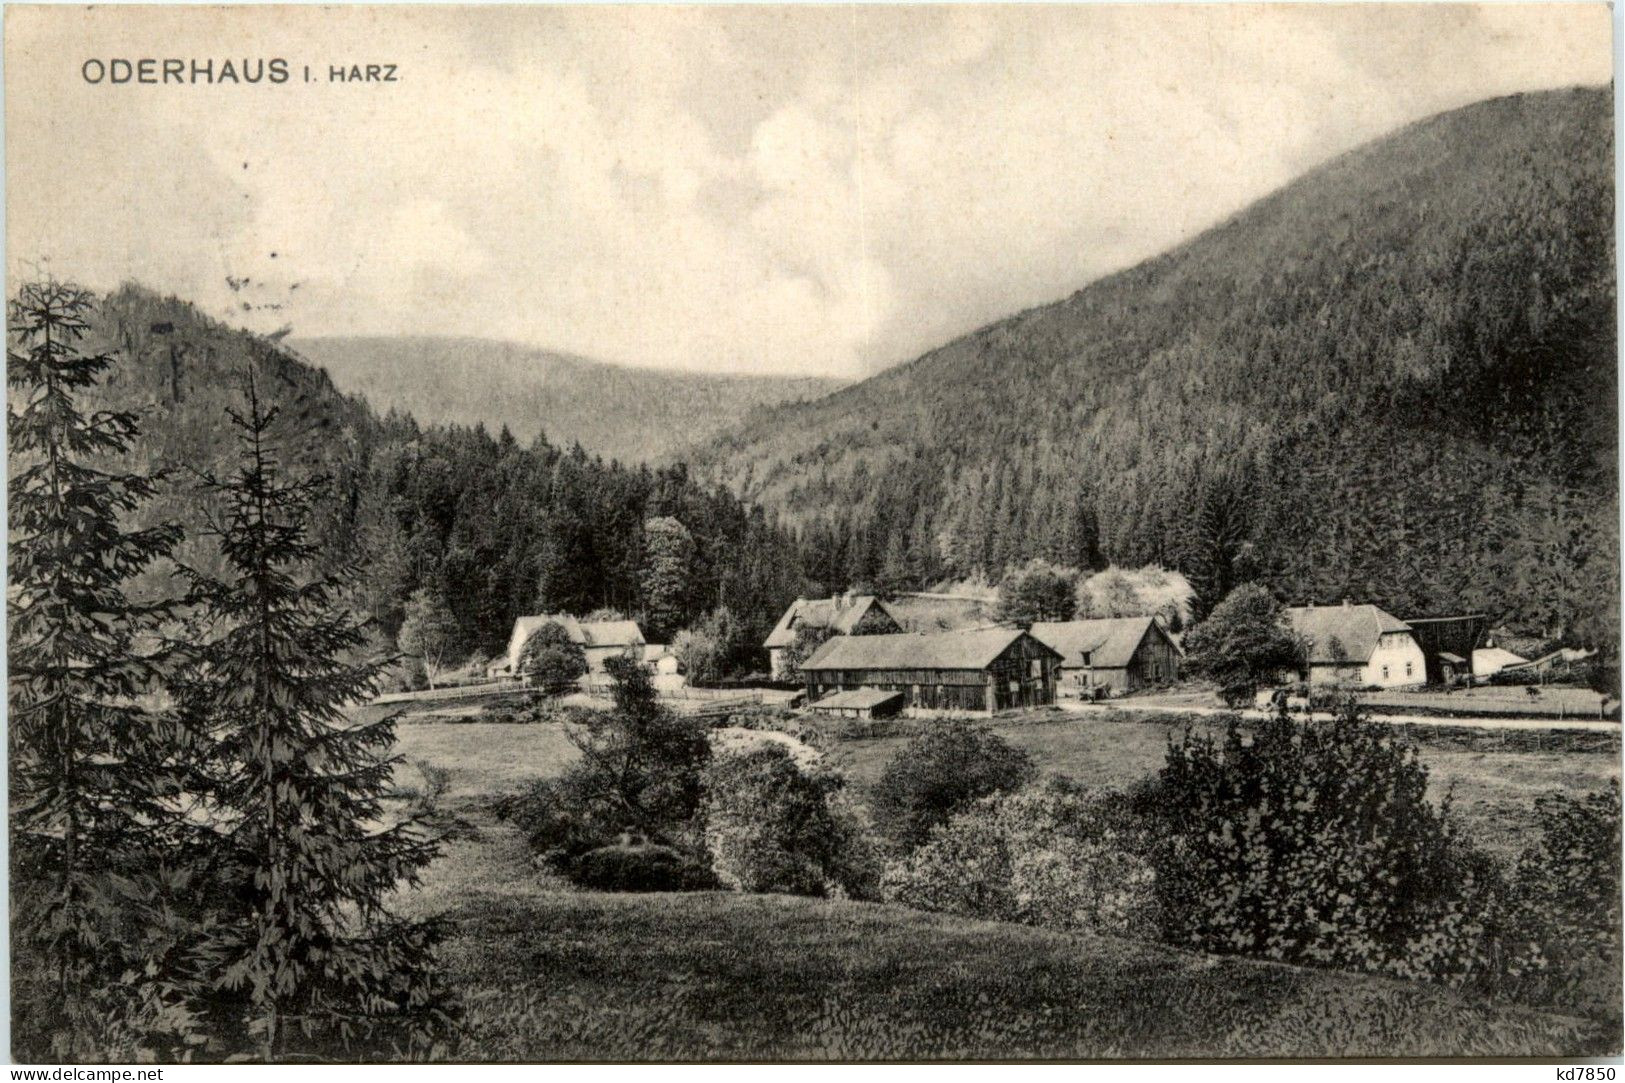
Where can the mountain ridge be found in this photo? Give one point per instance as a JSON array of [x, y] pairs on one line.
[[1212, 407], [625, 412]]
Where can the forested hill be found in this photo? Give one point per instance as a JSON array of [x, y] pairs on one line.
[[1392, 380], [465, 519], [630, 414]]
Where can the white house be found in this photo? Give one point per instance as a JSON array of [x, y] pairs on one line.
[[599, 639], [659, 658], [1358, 645]]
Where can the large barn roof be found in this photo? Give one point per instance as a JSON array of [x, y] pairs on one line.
[[1110, 642], [945, 650], [840, 613], [1356, 628]]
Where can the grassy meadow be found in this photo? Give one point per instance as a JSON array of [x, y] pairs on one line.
[[554, 973]]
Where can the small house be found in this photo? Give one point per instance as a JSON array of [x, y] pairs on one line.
[[987, 670], [660, 658], [1358, 645], [844, 614], [1488, 661], [599, 640], [1119, 654]]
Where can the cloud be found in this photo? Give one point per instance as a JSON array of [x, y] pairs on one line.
[[818, 189]]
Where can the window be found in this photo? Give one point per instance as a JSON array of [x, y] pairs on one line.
[[1385, 673], [1407, 669], [1037, 670]]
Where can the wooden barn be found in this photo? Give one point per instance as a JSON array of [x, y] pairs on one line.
[[1448, 644], [1118, 654], [987, 670]]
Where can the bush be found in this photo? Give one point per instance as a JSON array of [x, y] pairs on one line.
[[550, 661], [771, 826], [1566, 904], [639, 867], [942, 772], [1314, 843], [639, 776], [1056, 857]]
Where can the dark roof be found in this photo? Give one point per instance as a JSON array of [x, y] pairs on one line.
[[1357, 628], [840, 613], [860, 699], [1110, 642], [945, 650]]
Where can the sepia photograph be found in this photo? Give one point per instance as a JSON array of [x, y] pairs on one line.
[[798, 533]]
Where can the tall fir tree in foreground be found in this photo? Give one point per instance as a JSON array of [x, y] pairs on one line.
[[97, 840], [314, 960]]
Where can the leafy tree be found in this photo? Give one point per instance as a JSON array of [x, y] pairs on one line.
[[1243, 643], [808, 638], [940, 773], [1038, 591], [311, 961], [97, 848], [669, 552], [700, 655], [1112, 593], [551, 660], [429, 632], [711, 649]]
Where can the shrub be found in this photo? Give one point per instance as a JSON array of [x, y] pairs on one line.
[[1566, 903], [639, 775], [1056, 857], [639, 867], [941, 772], [771, 826], [1314, 843]]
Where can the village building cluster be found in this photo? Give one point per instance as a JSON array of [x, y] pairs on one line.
[[923, 653]]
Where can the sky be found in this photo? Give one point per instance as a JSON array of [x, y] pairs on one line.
[[818, 190]]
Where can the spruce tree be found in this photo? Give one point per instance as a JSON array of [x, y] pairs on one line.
[[94, 775], [314, 963]]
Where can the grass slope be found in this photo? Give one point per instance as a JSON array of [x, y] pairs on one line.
[[620, 412], [554, 974]]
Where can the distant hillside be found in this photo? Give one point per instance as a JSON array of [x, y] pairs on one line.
[[471, 520], [1393, 379], [630, 414]]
